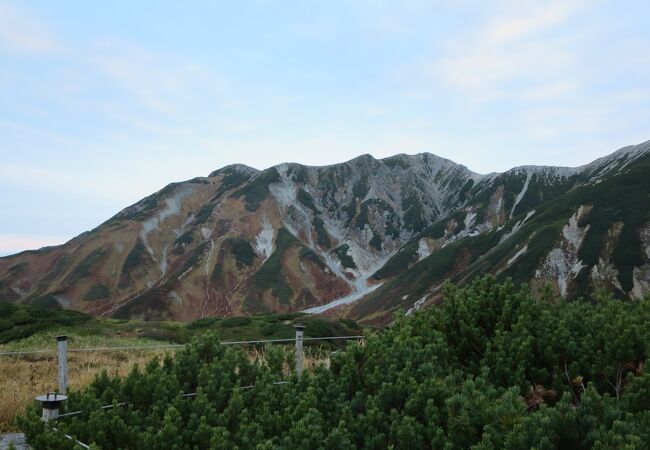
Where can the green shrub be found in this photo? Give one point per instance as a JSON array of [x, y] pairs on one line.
[[243, 252], [346, 260], [204, 322], [256, 190], [234, 322], [5, 324], [135, 257], [97, 291], [495, 366]]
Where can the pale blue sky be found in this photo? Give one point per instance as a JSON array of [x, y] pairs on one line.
[[102, 103]]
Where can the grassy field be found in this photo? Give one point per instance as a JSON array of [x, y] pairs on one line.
[[24, 377]]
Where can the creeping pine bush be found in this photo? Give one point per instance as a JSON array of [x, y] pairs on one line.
[[496, 366]]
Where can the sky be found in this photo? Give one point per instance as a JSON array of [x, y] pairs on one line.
[[103, 103]]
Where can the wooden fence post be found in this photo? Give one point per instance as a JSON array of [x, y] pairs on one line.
[[299, 353], [62, 350]]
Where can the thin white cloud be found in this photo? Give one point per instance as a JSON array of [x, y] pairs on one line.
[[161, 83], [511, 48], [20, 33]]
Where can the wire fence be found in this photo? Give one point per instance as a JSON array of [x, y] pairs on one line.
[[106, 407], [51, 410], [152, 347]]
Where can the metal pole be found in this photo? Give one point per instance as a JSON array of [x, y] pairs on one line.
[[299, 354], [62, 348]]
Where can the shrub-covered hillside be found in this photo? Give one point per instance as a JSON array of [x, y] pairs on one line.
[[493, 367]]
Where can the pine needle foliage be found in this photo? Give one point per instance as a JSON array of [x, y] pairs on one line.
[[495, 366]]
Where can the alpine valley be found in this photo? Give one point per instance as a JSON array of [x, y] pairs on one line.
[[361, 239]]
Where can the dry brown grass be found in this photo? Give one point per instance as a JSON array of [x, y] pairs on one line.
[[24, 377]]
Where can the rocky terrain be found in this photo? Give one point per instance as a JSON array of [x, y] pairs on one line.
[[360, 239]]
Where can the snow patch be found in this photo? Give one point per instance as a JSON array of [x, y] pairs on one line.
[[499, 205], [562, 263], [63, 301], [173, 295], [572, 232], [521, 252], [423, 249], [521, 193], [469, 220], [417, 305], [19, 291], [206, 232], [604, 272], [163, 260], [517, 226], [343, 300], [641, 281], [208, 260], [185, 273], [172, 207], [264, 240]]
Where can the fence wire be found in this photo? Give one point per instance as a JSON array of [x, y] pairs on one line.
[[147, 347]]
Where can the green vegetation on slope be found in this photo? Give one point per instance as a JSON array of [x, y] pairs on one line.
[[22, 325], [256, 190], [493, 368], [342, 254], [243, 252], [271, 275], [21, 321], [97, 291], [85, 267]]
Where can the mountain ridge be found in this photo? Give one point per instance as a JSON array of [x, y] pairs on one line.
[[295, 237]]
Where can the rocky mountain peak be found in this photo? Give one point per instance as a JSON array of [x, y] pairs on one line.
[[377, 234]]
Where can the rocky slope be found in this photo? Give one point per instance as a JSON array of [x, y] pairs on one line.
[[361, 239]]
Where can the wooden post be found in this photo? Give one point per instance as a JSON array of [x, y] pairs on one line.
[[299, 354], [62, 349]]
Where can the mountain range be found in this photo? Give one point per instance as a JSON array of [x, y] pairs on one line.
[[360, 239]]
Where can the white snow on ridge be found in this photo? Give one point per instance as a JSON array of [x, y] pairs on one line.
[[627, 154], [286, 190]]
